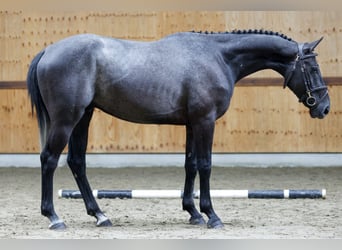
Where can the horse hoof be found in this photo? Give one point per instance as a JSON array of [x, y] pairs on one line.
[[197, 221], [57, 226], [105, 223], [215, 223]]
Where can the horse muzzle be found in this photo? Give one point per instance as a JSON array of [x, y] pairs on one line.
[[321, 110]]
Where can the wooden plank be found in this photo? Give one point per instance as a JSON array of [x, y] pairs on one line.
[[13, 85]]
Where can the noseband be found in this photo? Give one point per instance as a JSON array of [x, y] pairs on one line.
[[309, 99]]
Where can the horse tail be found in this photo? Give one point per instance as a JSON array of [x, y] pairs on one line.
[[37, 100]]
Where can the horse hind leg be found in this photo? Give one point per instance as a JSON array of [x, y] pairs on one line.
[[57, 139], [77, 163]]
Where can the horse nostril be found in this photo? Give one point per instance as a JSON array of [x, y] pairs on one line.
[[326, 111]]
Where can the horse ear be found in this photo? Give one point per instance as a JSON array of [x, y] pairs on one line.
[[314, 44]]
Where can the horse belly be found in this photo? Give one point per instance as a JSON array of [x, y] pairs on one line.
[[145, 103]]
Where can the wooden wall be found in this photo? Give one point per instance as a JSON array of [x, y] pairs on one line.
[[260, 119]]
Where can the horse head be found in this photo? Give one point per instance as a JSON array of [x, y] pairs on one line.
[[305, 80]]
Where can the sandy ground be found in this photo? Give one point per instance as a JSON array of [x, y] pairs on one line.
[[163, 218]]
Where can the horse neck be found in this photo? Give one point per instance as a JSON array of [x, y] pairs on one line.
[[247, 54]]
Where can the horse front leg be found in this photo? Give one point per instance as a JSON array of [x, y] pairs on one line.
[[77, 163], [203, 135], [190, 175]]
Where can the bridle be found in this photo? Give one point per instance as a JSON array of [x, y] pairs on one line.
[[309, 99]]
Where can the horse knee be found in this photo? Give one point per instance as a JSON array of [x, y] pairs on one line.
[[204, 167], [74, 162]]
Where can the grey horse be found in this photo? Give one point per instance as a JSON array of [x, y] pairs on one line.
[[184, 79]]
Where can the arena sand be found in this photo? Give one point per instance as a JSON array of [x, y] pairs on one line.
[[164, 218]]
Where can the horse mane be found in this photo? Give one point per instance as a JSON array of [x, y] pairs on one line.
[[250, 31]]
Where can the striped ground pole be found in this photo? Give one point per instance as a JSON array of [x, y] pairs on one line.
[[165, 194]]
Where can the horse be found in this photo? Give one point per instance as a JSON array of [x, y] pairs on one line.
[[185, 79]]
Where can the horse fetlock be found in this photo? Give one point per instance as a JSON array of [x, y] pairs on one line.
[[102, 220], [47, 210]]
